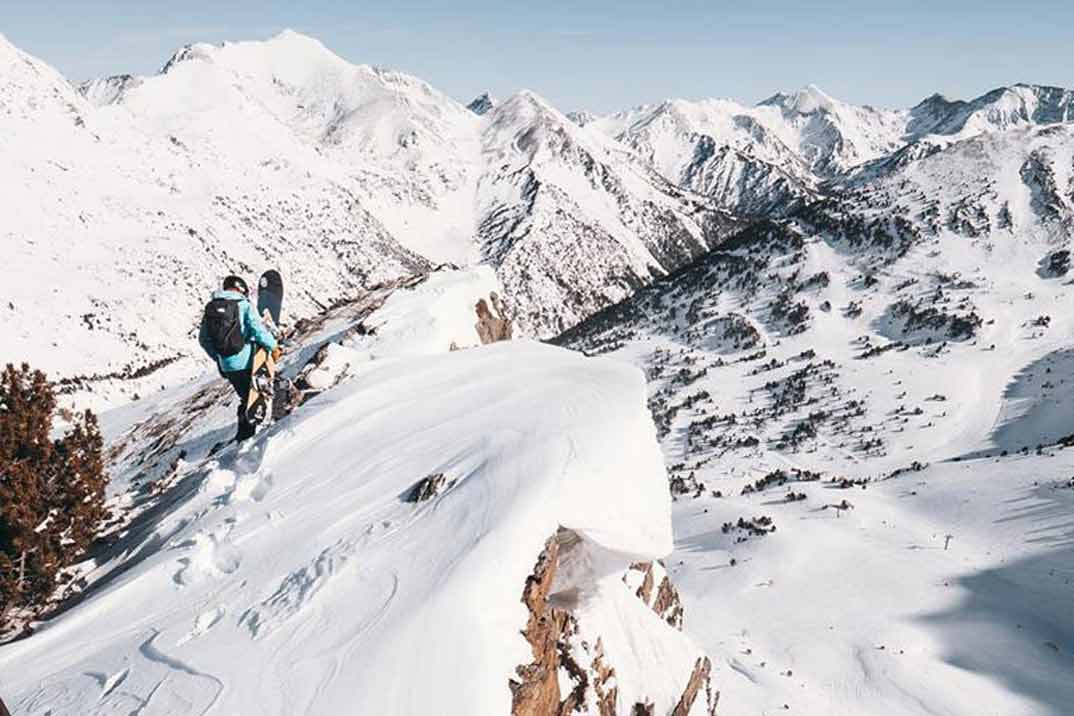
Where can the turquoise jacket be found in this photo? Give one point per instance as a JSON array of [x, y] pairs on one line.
[[253, 330]]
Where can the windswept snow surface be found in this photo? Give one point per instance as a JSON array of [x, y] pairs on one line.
[[296, 580]]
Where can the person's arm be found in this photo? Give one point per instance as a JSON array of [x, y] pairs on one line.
[[256, 328]]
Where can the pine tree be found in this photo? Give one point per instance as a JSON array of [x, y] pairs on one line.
[[51, 490]]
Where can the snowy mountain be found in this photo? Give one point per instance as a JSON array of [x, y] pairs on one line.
[[997, 110], [832, 136], [572, 222], [717, 148], [763, 160]]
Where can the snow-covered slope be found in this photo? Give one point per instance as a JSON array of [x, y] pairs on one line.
[[301, 574], [989, 188], [805, 134], [831, 412], [406, 148]]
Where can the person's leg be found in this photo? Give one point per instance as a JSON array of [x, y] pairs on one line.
[[240, 381]]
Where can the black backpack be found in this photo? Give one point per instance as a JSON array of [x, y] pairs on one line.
[[223, 327]]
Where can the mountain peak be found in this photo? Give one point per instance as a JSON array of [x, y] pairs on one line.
[[529, 100], [482, 104], [808, 100], [198, 51], [287, 47], [293, 37], [812, 98], [288, 33], [935, 101]]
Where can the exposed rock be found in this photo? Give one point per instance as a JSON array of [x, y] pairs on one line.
[[481, 105], [428, 487], [667, 603], [1055, 264], [491, 325], [536, 692], [699, 678], [3, 709], [656, 590]]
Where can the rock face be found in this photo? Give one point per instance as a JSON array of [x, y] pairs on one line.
[[536, 692], [559, 658]]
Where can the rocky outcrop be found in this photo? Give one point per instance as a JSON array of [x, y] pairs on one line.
[[491, 324], [560, 658]]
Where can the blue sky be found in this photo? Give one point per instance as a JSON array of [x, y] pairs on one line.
[[599, 55]]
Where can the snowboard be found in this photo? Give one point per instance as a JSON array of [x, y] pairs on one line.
[[263, 378], [270, 392], [270, 299]]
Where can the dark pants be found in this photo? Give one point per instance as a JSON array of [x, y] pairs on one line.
[[240, 381]]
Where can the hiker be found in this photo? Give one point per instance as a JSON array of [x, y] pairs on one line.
[[230, 330]]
